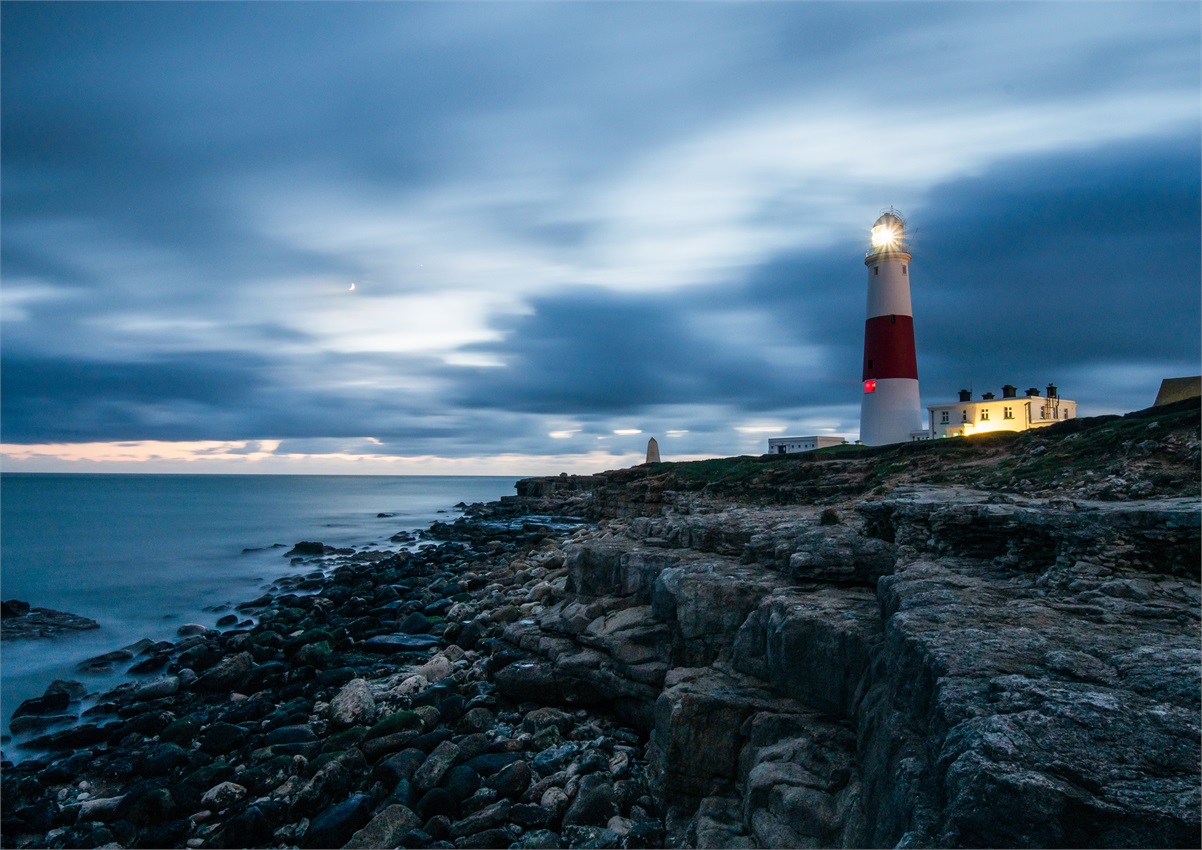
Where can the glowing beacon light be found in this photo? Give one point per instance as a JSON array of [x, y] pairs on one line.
[[890, 408]]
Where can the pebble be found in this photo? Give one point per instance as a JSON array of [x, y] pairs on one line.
[[318, 726]]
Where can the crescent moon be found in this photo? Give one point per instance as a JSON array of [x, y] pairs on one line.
[[352, 289]]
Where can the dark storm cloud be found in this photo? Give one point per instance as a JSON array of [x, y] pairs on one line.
[[597, 352], [69, 399], [185, 185], [1040, 267], [1044, 267]]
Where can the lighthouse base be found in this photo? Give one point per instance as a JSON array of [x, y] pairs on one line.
[[891, 412]]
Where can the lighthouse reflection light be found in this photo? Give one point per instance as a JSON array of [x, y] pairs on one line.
[[883, 236]]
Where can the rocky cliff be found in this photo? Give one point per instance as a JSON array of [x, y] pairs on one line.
[[987, 643]]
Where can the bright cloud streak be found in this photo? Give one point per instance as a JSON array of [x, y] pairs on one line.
[[562, 219]]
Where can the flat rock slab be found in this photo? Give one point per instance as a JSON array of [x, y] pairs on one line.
[[387, 644], [39, 622]]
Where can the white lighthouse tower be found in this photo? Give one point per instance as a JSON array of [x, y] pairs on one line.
[[890, 410]]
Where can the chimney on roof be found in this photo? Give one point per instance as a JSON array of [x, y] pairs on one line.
[[965, 395], [1009, 391], [1052, 391], [1032, 392], [987, 396]]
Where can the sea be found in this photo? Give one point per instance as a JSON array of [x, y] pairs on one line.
[[144, 554]]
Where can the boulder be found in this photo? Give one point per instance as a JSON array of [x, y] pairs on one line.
[[385, 829], [353, 705]]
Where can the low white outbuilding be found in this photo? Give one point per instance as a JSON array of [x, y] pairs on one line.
[[791, 445]]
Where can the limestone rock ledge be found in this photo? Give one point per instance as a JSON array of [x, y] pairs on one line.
[[940, 666]]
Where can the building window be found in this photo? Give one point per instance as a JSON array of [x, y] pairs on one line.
[[985, 414], [945, 417], [1043, 411], [1007, 412], [903, 269], [963, 415], [876, 269]]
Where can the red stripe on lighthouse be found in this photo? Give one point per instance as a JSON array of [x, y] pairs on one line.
[[889, 348]]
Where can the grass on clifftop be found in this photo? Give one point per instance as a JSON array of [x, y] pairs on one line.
[[1147, 454]]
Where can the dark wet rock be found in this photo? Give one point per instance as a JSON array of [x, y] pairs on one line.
[[39, 816], [151, 664], [594, 803], [227, 674], [221, 737], [13, 608], [451, 708], [38, 723], [85, 735], [254, 826], [486, 818], [539, 839], [19, 621], [461, 782], [146, 802], [644, 834], [512, 780], [157, 689], [436, 801], [489, 763], [429, 741], [386, 829], [105, 661], [375, 748], [478, 719], [260, 602], [329, 783], [398, 767], [85, 834], [161, 759], [415, 623], [488, 838], [531, 816], [171, 834], [306, 548], [580, 837], [54, 703], [435, 766], [297, 734], [417, 839], [392, 644], [334, 826]]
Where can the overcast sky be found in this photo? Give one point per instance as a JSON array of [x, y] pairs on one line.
[[572, 226]]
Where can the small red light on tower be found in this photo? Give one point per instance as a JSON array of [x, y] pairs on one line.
[[870, 386]]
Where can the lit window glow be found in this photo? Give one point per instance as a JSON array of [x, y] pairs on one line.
[[870, 386]]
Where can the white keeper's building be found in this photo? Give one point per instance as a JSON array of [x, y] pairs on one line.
[[1008, 413], [791, 445]]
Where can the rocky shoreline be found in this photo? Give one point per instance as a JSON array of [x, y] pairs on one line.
[[982, 643], [361, 711]]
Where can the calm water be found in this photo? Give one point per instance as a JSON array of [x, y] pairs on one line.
[[142, 554]]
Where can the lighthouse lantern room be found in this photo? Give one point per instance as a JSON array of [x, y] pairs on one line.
[[890, 411]]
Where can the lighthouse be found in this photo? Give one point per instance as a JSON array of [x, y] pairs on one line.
[[890, 410]]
